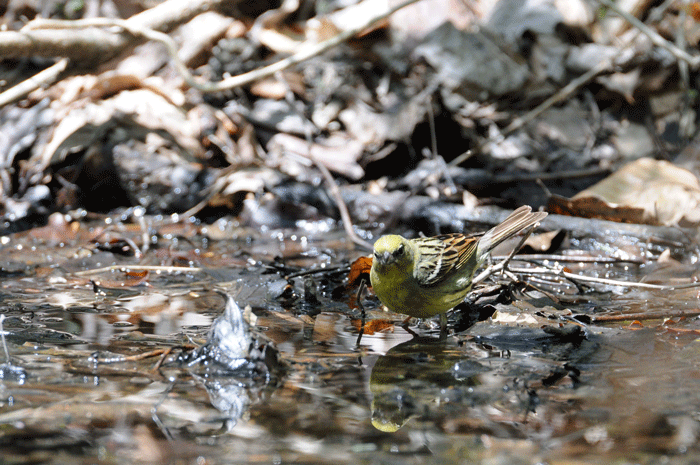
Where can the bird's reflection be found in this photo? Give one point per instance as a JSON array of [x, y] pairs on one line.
[[406, 382]]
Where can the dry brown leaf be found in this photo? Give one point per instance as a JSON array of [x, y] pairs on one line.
[[374, 326], [282, 38], [199, 35], [645, 191], [271, 88], [694, 10], [228, 187], [359, 267], [544, 242], [624, 83], [338, 153]]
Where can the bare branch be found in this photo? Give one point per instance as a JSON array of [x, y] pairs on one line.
[[45, 77], [98, 44]]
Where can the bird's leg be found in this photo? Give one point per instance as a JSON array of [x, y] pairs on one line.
[[363, 315], [404, 325], [443, 325]]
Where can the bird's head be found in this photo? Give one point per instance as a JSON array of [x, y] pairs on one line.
[[393, 250]]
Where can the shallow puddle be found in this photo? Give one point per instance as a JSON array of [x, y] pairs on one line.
[[102, 367]]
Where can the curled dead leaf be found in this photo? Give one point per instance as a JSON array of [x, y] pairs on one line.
[[359, 267]]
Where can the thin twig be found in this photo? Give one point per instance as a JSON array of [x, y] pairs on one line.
[[575, 278], [527, 234], [442, 169], [491, 269], [501, 266], [154, 413], [556, 176], [135, 357], [344, 213], [328, 269], [97, 44], [210, 192], [42, 78], [563, 93], [332, 185], [654, 36], [161, 359], [572, 258], [128, 26], [687, 112], [304, 54], [169, 269], [605, 281], [645, 316], [431, 125]]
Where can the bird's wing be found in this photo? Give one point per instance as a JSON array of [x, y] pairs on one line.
[[442, 257]]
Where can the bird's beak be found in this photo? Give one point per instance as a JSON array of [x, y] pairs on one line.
[[383, 258]]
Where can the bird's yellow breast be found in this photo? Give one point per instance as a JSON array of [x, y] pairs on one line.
[[398, 289]]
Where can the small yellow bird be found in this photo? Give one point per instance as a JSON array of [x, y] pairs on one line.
[[428, 276]]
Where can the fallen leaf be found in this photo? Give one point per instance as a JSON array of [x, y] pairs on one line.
[[359, 267], [374, 326], [645, 191]]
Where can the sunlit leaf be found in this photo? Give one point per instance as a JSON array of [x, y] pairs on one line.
[[374, 326], [644, 191], [359, 267]]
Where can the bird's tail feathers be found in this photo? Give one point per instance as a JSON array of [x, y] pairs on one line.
[[519, 220]]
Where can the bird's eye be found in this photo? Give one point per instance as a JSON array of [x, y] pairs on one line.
[[399, 250]]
